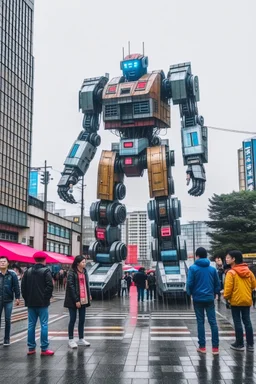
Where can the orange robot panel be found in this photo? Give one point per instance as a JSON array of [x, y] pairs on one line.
[[106, 176], [157, 171], [127, 104]]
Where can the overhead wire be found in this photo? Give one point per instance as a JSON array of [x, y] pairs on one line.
[[231, 130]]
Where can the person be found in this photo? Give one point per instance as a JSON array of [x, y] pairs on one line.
[[37, 288], [239, 285], [203, 284], [9, 286], [123, 286], [140, 280], [151, 286], [77, 297], [61, 278], [128, 279], [220, 271], [254, 298]]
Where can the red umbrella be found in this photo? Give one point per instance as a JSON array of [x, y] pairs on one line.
[[138, 266], [151, 270], [126, 266]]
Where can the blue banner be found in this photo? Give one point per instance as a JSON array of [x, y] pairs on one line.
[[254, 161], [33, 183], [248, 165]]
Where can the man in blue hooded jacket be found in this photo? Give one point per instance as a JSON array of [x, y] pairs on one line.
[[203, 284]]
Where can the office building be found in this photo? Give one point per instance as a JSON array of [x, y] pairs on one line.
[[63, 236], [137, 231], [16, 106], [195, 235]]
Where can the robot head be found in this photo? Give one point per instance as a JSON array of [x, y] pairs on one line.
[[134, 66]]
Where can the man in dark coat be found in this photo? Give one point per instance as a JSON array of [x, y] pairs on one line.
[[140, 279], [37, 288]]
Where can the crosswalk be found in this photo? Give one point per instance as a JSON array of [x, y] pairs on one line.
[[174, 325]]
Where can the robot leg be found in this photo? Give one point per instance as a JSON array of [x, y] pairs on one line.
[[109, 213], [165, 212]]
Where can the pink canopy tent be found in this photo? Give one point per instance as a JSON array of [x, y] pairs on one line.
[[24, 254], [17, 252], [59, 258]]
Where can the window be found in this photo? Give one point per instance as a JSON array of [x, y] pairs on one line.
[[192, 139]]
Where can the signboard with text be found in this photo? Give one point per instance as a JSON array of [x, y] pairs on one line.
[[33, 183], [248, 165], [132, 254]]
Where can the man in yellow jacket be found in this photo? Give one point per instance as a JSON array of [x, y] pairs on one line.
[[239, 284]]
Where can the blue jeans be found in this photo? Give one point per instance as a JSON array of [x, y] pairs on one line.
[[237, 313], [140, 293], [200, 309], [7, 314], [72, 321], [33, 314]]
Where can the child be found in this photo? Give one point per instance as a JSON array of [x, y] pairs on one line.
[[123, 286]]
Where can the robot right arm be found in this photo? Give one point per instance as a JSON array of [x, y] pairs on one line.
[[85, 147], [183, 88]]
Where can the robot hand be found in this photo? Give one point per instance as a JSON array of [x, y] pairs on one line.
[[196, 172], [65, 187]]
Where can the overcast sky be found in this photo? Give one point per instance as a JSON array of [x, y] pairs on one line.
[[78, 39]]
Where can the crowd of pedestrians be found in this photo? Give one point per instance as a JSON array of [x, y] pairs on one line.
[[145, 282], [230, 279]]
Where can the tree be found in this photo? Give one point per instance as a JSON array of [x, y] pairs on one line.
[[233, 220]]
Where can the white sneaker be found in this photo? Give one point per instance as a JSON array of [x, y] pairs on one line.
[[72, 344], [83, 342]]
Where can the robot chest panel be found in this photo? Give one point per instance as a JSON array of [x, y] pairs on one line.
[[135, 104]]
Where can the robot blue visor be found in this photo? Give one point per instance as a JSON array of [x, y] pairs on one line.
[[128, 65]]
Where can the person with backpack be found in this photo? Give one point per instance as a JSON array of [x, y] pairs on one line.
[[37, 288], [9, 287], [239, 285], [151, 286]]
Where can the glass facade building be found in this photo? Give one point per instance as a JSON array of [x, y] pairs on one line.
[[16, 107], [195, 235]]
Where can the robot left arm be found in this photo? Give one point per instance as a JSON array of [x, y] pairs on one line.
[[85, 147], [183, 88]]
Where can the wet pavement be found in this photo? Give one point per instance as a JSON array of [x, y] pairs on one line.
[[131, 343]]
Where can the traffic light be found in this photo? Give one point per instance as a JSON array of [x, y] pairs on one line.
[[45, 177]]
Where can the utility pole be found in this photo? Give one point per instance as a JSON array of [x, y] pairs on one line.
[[45, 178], [193, 229], [82, 217]]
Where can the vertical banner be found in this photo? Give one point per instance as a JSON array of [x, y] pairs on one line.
[[33, 183], [248, 165], [132, 254], [254, 161]]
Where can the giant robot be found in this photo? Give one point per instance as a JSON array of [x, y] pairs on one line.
[[136, 107]]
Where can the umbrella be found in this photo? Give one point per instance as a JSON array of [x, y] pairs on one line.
[[131, 270], [126, 266], [138, 267], [151, 270]]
